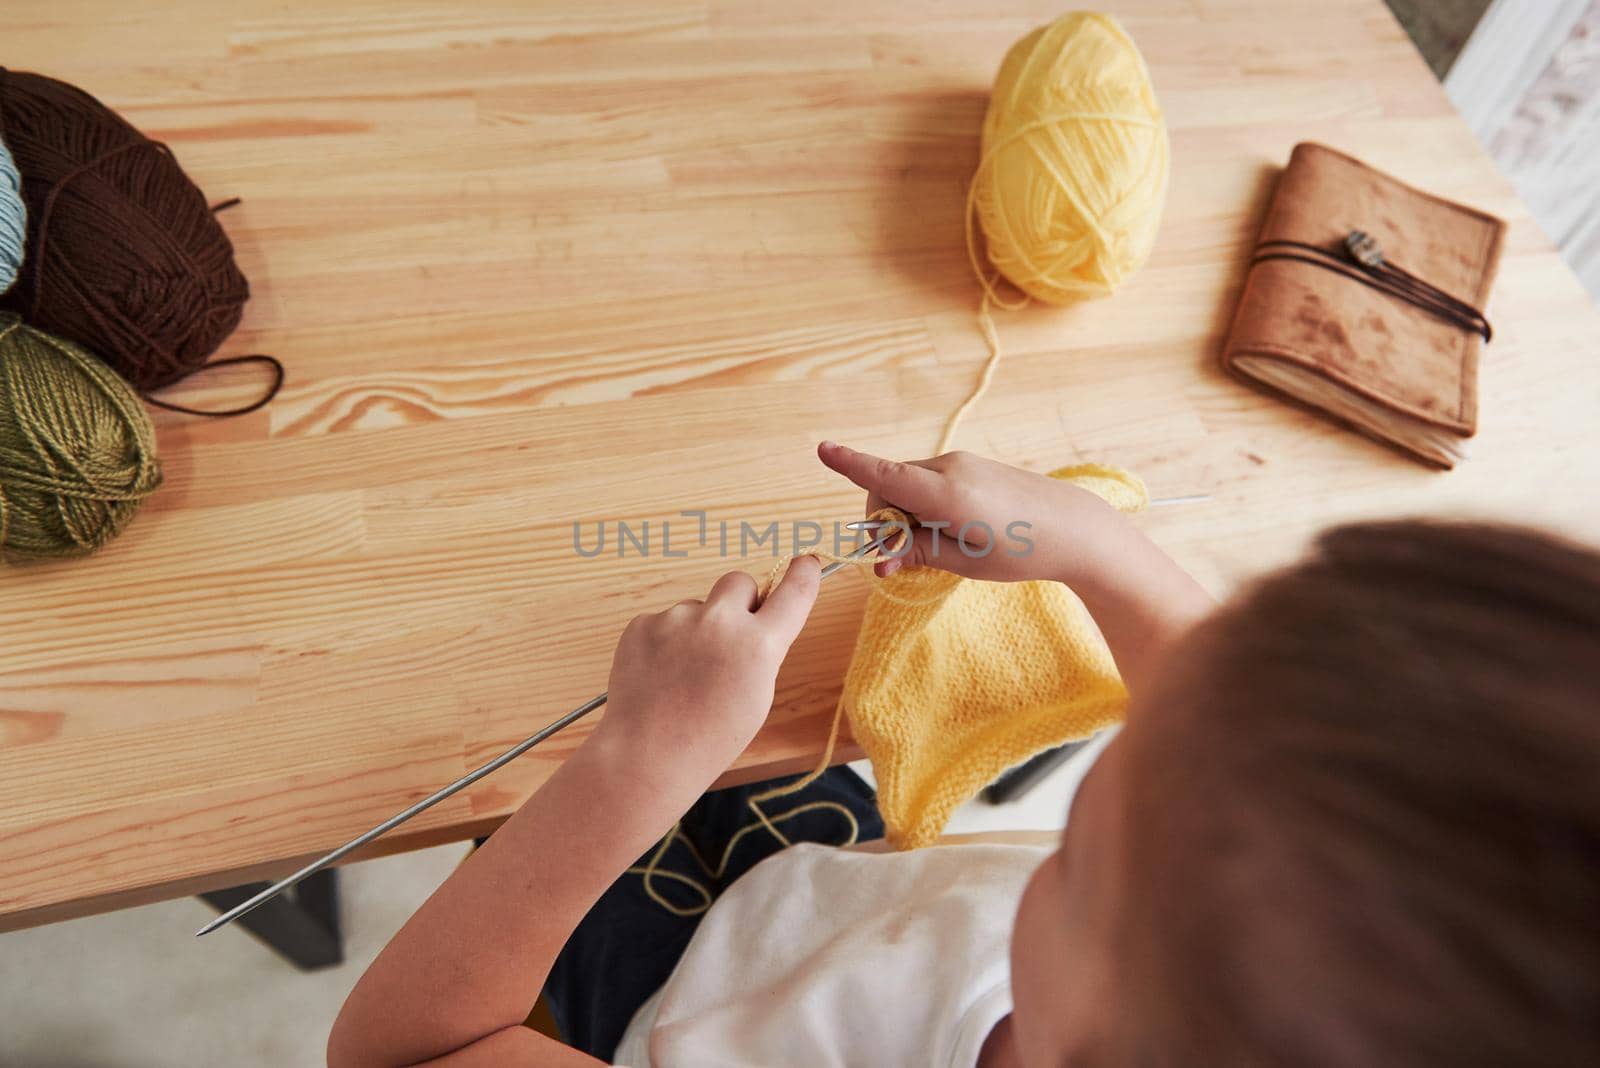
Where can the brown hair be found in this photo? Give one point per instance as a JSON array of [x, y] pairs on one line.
[[1364, 822]]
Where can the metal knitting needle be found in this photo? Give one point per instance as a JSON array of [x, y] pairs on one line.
[[468, 779]]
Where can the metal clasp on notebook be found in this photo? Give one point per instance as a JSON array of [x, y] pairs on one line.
[[1363, 248]]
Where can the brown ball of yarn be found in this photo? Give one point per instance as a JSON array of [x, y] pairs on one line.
[[124, 256]]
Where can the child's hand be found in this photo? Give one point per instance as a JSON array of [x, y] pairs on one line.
[[1018, 525], [691, 686]]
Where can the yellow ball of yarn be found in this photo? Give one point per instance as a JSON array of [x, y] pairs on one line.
[[1075, 159]]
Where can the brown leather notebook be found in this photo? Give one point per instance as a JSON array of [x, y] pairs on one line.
[[1362, 302]]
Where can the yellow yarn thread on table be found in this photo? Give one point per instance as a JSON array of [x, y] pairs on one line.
[[1072, 175]]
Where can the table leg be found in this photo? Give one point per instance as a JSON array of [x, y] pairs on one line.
[[301, 924], [1019, 780]]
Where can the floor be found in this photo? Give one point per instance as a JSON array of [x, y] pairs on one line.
[[134, 989], [1528, 84], [1439, 27]]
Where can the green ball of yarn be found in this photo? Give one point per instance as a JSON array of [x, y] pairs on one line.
[[77, 451]]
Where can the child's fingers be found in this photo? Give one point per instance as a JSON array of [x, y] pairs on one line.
[[736, 589], [941, 548], [918, 552], [904, 485], [788, 605]]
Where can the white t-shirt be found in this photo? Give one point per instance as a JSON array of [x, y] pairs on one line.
[[822, 957]]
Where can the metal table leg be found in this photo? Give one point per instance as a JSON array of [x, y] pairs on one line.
[[1024, 777], [301, 925]]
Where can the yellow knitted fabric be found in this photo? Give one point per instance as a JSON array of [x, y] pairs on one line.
[[955, 680]]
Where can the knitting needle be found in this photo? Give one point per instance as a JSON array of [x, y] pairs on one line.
[[466, 780]]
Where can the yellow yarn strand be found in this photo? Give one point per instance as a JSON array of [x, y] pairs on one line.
[[651, 869], [1072, 178], [985, 324], [889, 516]]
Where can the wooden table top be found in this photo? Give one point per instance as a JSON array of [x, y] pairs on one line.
[[532, 267]]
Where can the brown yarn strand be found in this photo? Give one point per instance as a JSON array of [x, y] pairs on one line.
[[1381, 275], [125, 256], [259, 402]]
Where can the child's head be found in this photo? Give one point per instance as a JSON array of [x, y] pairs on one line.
[[1356, 820]]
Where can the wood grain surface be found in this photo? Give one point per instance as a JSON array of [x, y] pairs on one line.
[[537, 264]]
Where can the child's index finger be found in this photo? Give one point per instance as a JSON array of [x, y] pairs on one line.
[[906, 486], [789, 603]]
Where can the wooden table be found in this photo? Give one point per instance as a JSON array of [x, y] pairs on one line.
[[531, 267]]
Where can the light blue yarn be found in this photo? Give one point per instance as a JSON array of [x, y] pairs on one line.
[[13, 220]]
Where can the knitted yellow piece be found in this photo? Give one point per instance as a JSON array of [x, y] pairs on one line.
[[955, 680]]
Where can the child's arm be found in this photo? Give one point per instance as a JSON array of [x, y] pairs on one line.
[[689, 689], [1137, 594]]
